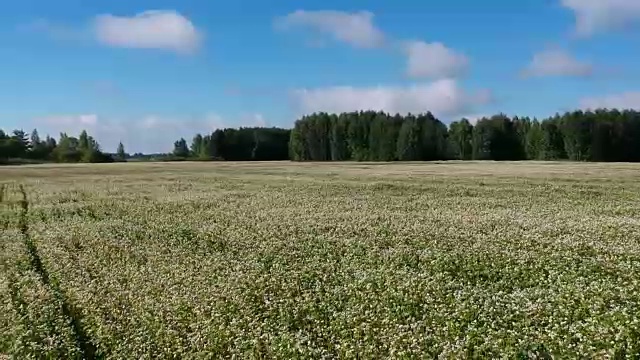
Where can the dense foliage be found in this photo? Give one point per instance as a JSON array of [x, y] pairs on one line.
[[243, 144], [18, 146], [601, 135], [329, 261]]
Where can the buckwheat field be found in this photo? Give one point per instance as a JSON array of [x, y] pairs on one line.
[[281, 260]]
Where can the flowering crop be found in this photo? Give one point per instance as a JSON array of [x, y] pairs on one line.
[[280, 260]]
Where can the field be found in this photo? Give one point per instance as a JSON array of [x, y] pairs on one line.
[[320, 260]]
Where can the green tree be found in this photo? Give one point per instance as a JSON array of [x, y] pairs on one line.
[[433, 138], [180, 148], [358, 134], [297, 146], [197, 145], [552, 140], [496, 138], [50, 144], [521, 128], [535, 141], [386, 129], [39, 150], [67, 150], [121, 154], [18, 144], [408, 146], [89, 148], [216, 144], [577, 131], [4, 146], [339, 146], [481, 139], [461, 135], [388, 144], [377, 129], [83, 141], [317, 139]]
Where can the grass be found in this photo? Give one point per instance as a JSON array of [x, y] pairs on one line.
[[353, 260]]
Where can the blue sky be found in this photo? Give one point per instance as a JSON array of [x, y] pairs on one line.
[[147, 72]]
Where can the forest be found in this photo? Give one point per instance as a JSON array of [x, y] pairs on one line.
[[243, 144], [256, 144], [20, 147], [602, 135]]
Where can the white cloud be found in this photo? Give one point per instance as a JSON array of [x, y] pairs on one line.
[[442, 98], [433, 60], [600, 15], [355, 28], [157, 29], [556, 62], [149, 134], [627, 100]]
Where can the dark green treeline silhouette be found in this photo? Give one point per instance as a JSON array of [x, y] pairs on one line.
[[243, 144], [22, 147], [600, 135]]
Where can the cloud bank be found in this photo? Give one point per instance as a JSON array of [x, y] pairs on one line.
[[443, 98]]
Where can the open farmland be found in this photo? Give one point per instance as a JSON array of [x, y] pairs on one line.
[[313, 260]]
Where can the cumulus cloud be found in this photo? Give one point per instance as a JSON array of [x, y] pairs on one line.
[[148, 134], [355, 28], [157, 29], [424, 60], [556, 62], [626, 100], [433, 60], [154, 29], [600, 15], [443, 98]]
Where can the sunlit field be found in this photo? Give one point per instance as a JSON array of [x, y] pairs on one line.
[[320, 260]]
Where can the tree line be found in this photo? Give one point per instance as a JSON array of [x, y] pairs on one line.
[[243, 144], [20, 147], [600, 135]]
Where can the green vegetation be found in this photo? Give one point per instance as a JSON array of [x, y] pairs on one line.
[[308, 260], [601, 135], [20, 148], [244, 144]]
